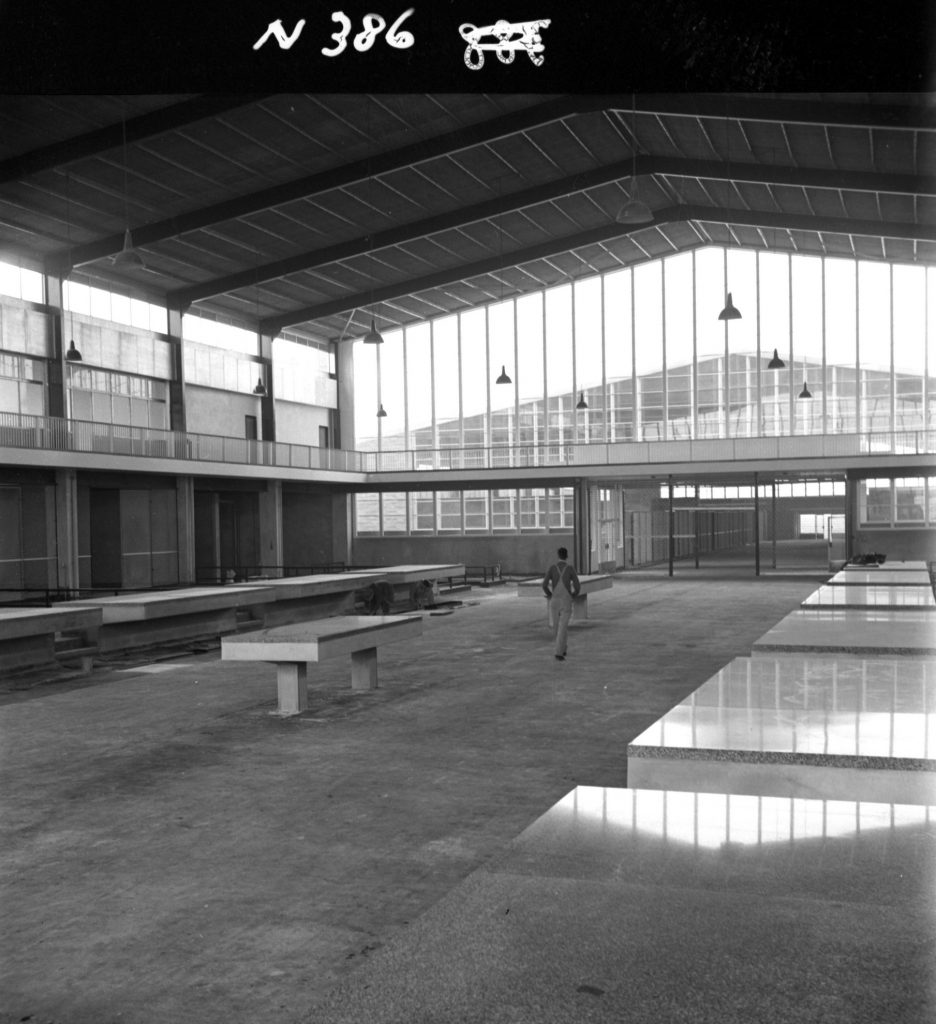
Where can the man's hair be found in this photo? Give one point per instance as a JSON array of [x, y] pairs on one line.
[[563, 553]]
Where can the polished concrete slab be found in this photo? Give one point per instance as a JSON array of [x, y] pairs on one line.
[[894, 597], [858, 631], [169, 851], [863, 576], [913, 566], [640, 907], [833, 727]]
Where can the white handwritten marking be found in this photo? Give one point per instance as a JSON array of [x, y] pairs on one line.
[[505, 47], [276, 30]]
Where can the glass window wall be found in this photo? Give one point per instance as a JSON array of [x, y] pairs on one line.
[[858, 334]]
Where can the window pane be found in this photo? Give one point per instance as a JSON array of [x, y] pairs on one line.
[[474, 376], [445, 373], [841, 345], [742, 344], [677, 272], [910, 500], [774, 315], [419, 385], [874, 501], [909, 345], [618, 340], [710, 341]]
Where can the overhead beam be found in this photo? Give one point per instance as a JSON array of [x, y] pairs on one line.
[[864, 113], [143, 126], [604, 233], [645, 165], [336, 177]]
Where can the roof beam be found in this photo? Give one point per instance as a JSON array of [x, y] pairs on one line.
[[336, 177], [645, 165], [912, 116], [143, 126], [604, 233]]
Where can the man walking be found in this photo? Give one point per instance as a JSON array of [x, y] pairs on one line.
[[561, 584]]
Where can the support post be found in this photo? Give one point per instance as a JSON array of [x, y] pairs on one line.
[[291, 690], [364, 669], [672, 525], [756, 528]]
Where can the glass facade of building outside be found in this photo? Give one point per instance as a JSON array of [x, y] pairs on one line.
[[645, 350]]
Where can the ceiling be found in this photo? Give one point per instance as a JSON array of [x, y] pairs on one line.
[[313, 213]]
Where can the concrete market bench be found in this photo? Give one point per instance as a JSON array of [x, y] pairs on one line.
[[293, 648], [591, 583], [316, 596], [28, 635], [144, 619]]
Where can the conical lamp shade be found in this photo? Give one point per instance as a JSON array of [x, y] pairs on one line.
[[128, 256], [73, 355], [373, 336], [635, 211], [503, 378], [381, 411], [776, 363], [805, 393], [581, 403], [259, 389], [729, 312]]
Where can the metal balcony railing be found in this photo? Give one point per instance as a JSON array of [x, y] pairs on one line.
[[47, 433]]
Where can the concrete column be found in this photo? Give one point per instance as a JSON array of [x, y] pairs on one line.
[[581, 555], [57, 383], [271, 527], [345, 365], [756, 527], [267, 406], [177, 383], [185, 527], [342, 529], [66, 528]]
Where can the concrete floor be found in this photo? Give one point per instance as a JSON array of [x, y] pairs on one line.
[[171, 851]]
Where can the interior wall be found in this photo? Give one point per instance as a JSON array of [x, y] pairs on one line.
[[308, 528], [517, 554], [903, 544], [299, 424], [208, 411]]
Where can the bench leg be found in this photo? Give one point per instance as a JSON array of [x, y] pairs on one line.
[[291, 691], [364, 669], [580, 607]]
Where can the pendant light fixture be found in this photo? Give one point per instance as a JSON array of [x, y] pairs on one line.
[[128, 256], [634, 211], [776, 363], [805, 393], [373, 336], [381, 411], [72, 355], [259, 389], [504, 377], [581, 403], [729, 312]]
